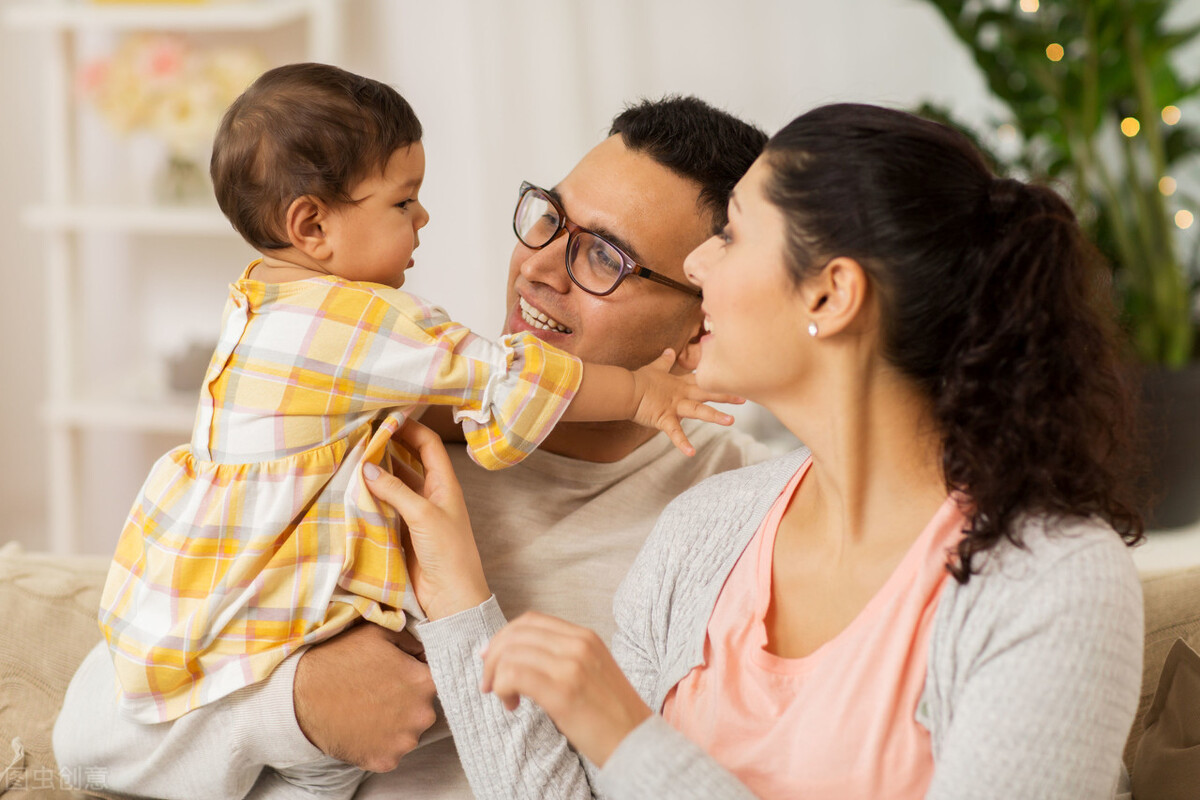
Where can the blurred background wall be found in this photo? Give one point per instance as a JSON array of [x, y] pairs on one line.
[[506, 91]]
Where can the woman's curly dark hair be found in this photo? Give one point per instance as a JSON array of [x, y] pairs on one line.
[[992, 300]]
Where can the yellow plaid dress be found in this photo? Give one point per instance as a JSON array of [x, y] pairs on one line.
[[260, 536]]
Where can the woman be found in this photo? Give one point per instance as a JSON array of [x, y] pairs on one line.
[[932, 600]]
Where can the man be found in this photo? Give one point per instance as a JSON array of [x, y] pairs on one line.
[[558, 531]]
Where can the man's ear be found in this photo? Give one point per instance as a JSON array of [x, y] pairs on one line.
[[835, 297], [688, 357], [307, 219]]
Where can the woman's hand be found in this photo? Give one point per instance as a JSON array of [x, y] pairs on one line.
[[443, 561], [568, 671]]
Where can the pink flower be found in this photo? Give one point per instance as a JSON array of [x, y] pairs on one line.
[[92, 75], [165, 58]]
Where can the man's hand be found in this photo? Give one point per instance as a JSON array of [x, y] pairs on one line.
[[363, 697]]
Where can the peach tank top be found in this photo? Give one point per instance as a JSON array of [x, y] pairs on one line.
[[838, 723]]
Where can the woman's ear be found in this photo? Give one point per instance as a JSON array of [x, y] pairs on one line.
[[834, 299], [307, 218]]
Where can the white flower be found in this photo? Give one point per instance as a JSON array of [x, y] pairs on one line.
[[165, 85]]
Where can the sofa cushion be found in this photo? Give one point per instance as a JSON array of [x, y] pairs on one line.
[[48, 607], [1172, 612], [1167, 764]]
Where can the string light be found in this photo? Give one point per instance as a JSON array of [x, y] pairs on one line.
[[1055, 52], [1130, 127], [1183, 218], [1166, 185], [1171, 115], [1029, 6]]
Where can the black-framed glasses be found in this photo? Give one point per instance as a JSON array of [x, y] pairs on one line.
[[594, 264]]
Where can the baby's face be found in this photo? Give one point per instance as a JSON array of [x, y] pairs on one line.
[[374, 239]]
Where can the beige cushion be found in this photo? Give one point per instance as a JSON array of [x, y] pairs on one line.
[[1167, 765], [48, 608], [48, 611], [1172, 613]]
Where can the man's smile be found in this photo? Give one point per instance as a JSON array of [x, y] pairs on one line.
[[538, 319]]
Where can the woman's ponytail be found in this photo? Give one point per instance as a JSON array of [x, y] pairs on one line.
[[1033, 403]]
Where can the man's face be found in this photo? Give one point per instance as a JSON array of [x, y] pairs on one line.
[[629, 198]]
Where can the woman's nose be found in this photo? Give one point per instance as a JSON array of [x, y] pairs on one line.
[[694, 264]]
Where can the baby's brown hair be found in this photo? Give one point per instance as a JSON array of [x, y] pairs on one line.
[[303, 129]]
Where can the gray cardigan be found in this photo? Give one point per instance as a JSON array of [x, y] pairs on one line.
[[1032, 684]]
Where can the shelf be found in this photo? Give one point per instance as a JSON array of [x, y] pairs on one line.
[[197, 16], [198, 220], [171, 415], [137, 403]]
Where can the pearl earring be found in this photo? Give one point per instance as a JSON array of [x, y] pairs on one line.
[[812, 329]]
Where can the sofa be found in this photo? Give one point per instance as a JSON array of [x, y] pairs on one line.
[[48, 623]]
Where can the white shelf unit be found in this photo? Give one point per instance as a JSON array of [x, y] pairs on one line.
[[159, 220], [214, 15], [72, 410]]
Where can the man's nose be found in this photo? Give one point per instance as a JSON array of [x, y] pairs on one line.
[[548, 265]]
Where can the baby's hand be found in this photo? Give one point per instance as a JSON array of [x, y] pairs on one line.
[[663, 398]]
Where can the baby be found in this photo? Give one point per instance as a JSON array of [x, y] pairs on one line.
[[260, 536]]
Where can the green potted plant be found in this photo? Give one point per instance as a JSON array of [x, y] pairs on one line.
[[1093, 97]]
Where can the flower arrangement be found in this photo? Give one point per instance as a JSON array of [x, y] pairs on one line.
[[165, 85]]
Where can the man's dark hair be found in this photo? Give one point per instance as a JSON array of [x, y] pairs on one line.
[[303, 129], [694, 140]]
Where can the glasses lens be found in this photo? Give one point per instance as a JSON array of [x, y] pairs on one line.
[[536, 220], [595, 264]]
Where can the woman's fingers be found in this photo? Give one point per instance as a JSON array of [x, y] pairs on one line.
[[536, 656], [408, 475], [524, 629], [524, 672], [426, 444], [390, 489], [443, 561], [567, 670]]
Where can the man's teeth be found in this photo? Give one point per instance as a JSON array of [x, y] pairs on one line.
[[537, 319]]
